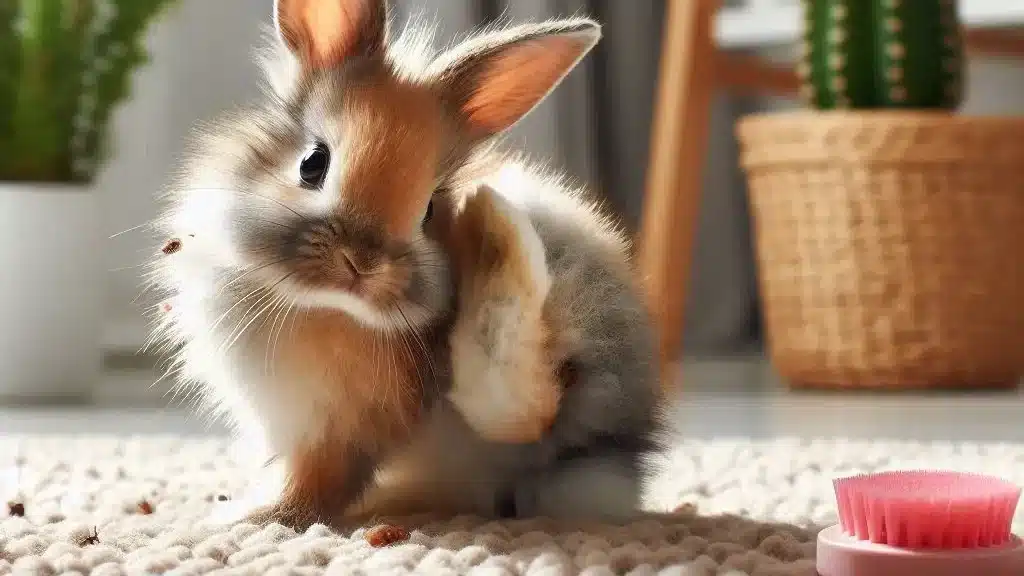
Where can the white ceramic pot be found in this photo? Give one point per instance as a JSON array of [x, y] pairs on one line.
[[50, 292]]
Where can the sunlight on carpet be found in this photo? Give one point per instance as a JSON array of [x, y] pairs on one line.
[[110, 506]]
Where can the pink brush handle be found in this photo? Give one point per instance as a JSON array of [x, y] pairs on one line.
[[842, 555]]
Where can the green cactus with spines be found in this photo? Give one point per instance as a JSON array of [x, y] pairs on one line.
[[882, 54], [65, 66]]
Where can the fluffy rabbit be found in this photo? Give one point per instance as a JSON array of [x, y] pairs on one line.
[[311, 295]]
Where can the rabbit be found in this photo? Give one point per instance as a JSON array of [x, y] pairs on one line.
[[313, 298], [555, 403]]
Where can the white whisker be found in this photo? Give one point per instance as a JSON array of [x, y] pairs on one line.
[[132, 229]]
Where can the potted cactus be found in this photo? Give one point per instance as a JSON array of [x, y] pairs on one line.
[[881, 54], [65, 66], [888, 225]]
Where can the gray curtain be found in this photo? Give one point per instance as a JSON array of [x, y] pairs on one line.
[[596, 127]]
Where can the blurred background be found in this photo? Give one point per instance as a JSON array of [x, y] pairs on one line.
[[596, 126]]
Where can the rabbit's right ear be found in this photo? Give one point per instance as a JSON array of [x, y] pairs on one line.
[[325, 33], [495, 79]]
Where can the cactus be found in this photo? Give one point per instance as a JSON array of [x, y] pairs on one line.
[[65, 65], [882, 54]]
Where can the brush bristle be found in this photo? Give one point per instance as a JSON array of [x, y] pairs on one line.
[[923, 509]]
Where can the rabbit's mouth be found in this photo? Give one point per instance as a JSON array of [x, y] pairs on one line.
[[337, 270], [394, 295]]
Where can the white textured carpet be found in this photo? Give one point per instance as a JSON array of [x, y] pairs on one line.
[[70, 486]]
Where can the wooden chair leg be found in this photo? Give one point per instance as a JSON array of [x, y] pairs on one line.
[[679, 136]]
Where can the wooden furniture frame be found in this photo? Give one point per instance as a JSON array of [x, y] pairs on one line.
[[692, 67]]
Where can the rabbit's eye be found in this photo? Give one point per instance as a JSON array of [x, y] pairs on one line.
[[313, 168]]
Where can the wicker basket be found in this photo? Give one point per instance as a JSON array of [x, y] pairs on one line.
[[890, 247]]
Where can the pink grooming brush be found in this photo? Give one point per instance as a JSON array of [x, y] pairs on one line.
[[919, 523]]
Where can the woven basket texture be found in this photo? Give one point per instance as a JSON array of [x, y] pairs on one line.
[[890, 246]]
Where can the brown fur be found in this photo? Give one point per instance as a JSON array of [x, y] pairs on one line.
[[374, 400], [373, 397], [317, 487], [395, 131]]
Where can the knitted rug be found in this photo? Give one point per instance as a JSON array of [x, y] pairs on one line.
[[150, 505]]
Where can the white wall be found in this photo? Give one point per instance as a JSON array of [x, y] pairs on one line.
[[201, 63], [995, 87]]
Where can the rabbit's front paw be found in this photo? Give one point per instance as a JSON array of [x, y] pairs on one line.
[[505, 395], [504, 386], [500, 250], [298, 518]]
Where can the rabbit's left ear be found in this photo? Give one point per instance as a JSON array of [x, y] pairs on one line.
[[496, 79], [325, 33]]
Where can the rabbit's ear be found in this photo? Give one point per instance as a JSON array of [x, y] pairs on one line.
[[325, 33], [496, 79]]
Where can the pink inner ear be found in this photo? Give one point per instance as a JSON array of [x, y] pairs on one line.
[[324, 32], [331, 29], [518, 78]]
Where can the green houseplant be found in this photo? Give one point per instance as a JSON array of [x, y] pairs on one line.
[[887, 223], [881, 54], [65, 67]]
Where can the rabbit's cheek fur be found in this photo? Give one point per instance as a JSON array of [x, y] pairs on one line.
[[281, 372]]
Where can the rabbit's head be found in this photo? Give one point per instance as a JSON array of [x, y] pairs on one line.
[[333, 192]]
